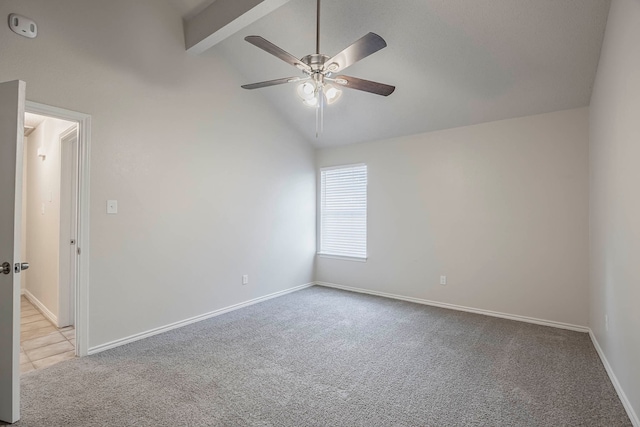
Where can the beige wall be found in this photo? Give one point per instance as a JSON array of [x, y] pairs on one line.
[[499, 208], [615, 198], [211, 183], [43, 213]]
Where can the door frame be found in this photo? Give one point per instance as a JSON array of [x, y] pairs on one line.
[[82, 265]]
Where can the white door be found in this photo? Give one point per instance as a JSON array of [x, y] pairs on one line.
[[68, 227], [12, 100]]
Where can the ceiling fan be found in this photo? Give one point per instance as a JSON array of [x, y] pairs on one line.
[[321, 81]]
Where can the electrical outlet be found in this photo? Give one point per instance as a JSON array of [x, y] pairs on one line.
[[112, 207], [443, 280], [245, 279], [606, 322]]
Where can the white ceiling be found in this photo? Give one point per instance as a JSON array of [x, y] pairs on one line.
[[189, 8], [453, 62], [33, 120]]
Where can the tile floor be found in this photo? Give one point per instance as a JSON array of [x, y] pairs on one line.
[[41, 343]]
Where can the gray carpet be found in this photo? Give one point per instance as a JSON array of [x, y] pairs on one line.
[[323, 357]]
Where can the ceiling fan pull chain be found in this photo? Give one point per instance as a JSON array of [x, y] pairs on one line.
[[321, 100], [320, 111], [317, 121]]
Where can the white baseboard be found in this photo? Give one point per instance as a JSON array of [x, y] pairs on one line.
[[616, 384], [21, 292], [41, 307], [516, 317], [181, 323]]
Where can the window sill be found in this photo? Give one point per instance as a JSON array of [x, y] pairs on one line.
[[342, 257]]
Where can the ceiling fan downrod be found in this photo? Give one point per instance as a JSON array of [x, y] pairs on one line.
[[318, 28]]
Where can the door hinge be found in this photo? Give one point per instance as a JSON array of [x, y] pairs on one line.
[[78, 251]]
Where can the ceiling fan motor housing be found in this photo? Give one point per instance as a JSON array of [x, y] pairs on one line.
[[316, 61]]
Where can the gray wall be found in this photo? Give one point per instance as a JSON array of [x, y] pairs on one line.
[[500, 208], [615, 197], [211, 183]]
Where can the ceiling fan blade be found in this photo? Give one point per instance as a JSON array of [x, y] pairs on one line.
[[272, 83], [274, 50], [365, 85], [360, 49]]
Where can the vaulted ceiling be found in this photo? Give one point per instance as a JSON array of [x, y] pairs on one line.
[[453, 62]]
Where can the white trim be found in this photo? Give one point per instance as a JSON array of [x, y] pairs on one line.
[[21, 292], [516, 317], [349, 165], [41, 307], [82, 273], [181, 323], [614, 380], [342, 257]]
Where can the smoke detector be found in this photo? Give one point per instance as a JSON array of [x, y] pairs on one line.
[[22, 25]]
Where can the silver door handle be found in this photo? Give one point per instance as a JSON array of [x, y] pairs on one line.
[[24, 266], [5, 268]]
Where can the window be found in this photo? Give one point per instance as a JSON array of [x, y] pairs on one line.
[[343, 211]]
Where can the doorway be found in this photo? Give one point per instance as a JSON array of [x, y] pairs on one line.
[[49, 209], [13, 107], [64, 196]]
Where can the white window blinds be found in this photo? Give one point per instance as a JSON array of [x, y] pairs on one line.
[[343, 211]]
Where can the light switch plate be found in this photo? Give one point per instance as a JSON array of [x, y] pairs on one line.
[[112, 207]]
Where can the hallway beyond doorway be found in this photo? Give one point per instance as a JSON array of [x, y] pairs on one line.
[[41, 343]]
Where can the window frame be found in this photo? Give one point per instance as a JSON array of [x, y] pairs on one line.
[[321, 254]]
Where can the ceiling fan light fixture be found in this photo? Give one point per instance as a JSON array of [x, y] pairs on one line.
[[311, 102], [332, 94], [307, 90]]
